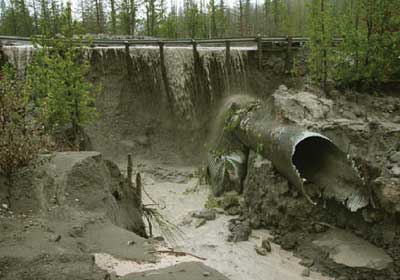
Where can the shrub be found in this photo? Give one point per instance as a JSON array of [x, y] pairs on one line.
[[21, 135]]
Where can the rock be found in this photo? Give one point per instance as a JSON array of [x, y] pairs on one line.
[[395, 171], [302, 107], [318, 228], [387, 191], [347, 249], [283, 88], [55, 238], [188, 219], [266, 244], [199, 223], [289, 241], [305, 272], [206, 274], [307, 262], [240, 231], [5, 206], [206, 214], [261, 251]]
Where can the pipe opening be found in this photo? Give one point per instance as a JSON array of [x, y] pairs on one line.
[[326, 167], [316, 157]]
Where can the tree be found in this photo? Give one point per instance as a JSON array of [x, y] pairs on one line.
[[169, 26], [191, 18], [99, 15], [113, 15], [212, 12], [128, 16], [60, 90], [21, 134], [369, 52], [320, 44]]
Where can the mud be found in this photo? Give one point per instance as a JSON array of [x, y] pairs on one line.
[[63, 209], [74, 206], [271, 202]]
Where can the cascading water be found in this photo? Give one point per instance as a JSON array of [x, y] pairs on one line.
[[18, 56], [137, 99]]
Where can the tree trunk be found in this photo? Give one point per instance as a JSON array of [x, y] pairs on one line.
[[113, 17]]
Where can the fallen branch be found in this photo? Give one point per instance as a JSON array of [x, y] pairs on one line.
[[178, 254]]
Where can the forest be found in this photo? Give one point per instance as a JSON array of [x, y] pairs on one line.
[[126, 153], [199, 18]]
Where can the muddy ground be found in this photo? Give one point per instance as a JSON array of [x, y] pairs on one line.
[[330, 238], [75, 215]]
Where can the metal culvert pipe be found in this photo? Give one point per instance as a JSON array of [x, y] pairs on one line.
[[309, 160]]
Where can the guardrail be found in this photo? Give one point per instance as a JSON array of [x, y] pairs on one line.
[[285, 39], [287, 42]]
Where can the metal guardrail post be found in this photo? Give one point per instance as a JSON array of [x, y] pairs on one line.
[[289, 52], [128, 59], [228, 56], [164, 76], [259, 52], [194, 44]]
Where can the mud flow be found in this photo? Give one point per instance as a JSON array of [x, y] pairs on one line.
[[234, 172]]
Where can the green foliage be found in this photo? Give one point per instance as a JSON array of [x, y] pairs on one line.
[[321, 32], [57, 76], [212, 202], [15, 18], [21, 134], [371, 48]]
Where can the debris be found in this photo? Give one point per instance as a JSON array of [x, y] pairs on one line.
[[159, 238], [266, 244], [305, 272], [307, 262], [261, 251], [318, 228], [199, 223], [229, 200], [55, 238], [395, 171], [240, 231], [187, 220], [289, 241], [178, 254], [206, 214]]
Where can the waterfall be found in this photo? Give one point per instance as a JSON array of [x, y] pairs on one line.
[[19, 56], [192, 86]]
